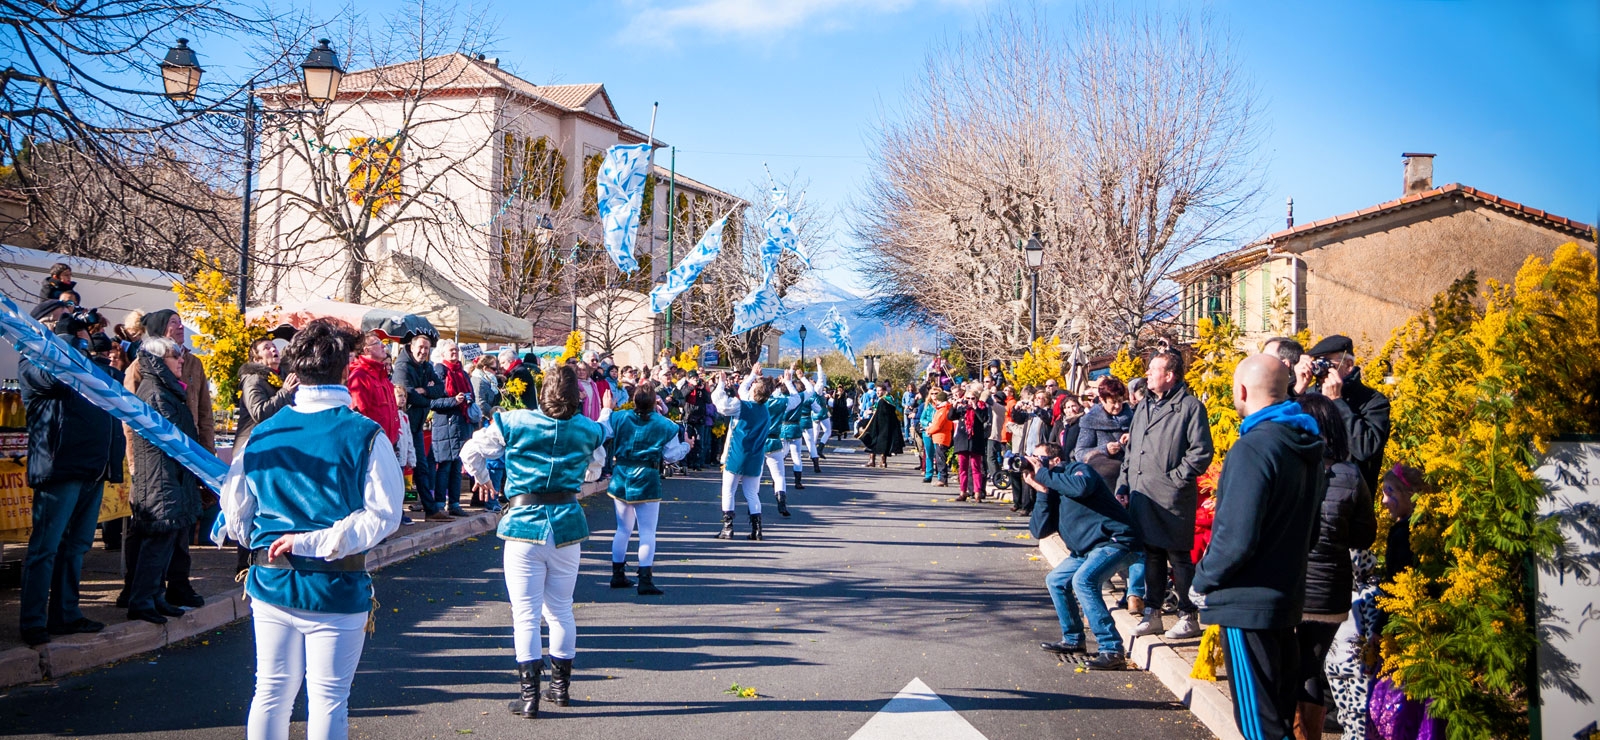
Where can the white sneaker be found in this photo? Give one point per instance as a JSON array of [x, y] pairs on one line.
[[1188, 626], [1150, 625]]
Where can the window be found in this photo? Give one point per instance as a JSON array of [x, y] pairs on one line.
[[508, 164]]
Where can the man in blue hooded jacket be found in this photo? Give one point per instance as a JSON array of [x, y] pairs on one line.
[[1252, 580]]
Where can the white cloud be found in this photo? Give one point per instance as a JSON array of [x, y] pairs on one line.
[[757, 18]]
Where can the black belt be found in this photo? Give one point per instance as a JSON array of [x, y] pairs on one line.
[[543, 499], [349, 564], [640, 462]]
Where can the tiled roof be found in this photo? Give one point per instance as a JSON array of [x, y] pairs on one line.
[[1547, 219], [573, 96]]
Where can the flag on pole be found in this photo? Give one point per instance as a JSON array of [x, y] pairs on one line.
[[780, 226], [619, 192], [760, 306], [837, 331], [682, 277]]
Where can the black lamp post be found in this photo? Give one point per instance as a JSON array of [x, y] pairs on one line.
[[802, 347], [319, 83], [1035, 254]]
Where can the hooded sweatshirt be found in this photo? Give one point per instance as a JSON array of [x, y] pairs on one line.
[[1269, 496]]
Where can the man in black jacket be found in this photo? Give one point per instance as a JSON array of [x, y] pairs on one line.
[[1252, 580], [1365, 411], [1075, 503], [70, 449], [413, 373]]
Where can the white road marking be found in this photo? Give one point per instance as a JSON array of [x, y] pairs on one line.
[[917, 713]]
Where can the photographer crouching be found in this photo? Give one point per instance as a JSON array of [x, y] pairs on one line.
[[1075, 503]]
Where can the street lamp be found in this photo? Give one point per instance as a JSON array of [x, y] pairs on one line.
[[180, 80], [802, 347], [1035, 254]]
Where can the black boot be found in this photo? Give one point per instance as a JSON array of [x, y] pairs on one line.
[[816, 466], [527, 705], [783, 504], [727, 526], [619, 576], [755, 527], [560, 682], [647, 583], [798, 485]]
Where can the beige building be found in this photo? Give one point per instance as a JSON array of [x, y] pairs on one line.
[[1363, 274], [509, 219]]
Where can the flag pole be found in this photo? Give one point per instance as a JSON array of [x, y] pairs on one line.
[[650, 173], [672, 243]]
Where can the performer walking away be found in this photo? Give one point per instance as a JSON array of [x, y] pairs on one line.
[[811, 425], [882, 436], [548, 452], [314, 488], [781, 407], [796, 419], [748, 422], [644, 439]]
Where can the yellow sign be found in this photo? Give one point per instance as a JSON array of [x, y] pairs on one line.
[[16, 501]]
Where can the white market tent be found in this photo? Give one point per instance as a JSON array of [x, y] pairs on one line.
[[409, 284]]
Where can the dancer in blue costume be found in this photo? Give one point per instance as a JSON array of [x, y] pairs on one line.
[[548, 452], [314, 488], [748, 423], [786, 409], [644, 440]]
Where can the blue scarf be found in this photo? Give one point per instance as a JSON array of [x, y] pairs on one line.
[[1287, 413]]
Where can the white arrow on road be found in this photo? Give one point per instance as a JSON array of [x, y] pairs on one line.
[[916, 713]]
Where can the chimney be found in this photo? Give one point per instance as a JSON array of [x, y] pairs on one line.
[[1419, 172], [1288, 206]]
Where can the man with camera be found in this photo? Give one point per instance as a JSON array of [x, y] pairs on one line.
[[1332, 365], [1075, 503]]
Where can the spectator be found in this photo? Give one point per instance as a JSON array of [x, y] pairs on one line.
[[994, 396], [72, 445], [1170, 446], [58, 282], [486, 385], [526, 371], [1252, 580], [1103, 431], [1033, 418], [452, 426], [1289, 351], [1067, 429], [1137, 391], [971, 416], [262, 391], [1365, 411], [941, 432], [1101, 538], [104, 352], [424, 392], [165, 497], [47, 311], [166, 323], [697, 419], [374, 396], [1347, 522]]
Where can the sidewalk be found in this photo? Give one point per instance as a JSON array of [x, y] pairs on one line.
[[212, 576]]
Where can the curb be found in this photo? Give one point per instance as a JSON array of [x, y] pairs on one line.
[[123, 640], [1153, 654]]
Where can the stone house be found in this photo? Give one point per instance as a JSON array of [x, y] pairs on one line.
[[1363, 274]]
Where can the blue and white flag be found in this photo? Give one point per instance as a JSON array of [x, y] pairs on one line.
[[838, 332], [761, 306], [619, 190], [780, 226], [682, 277], [48, 353]]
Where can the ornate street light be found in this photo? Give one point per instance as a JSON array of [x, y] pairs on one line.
[[802, 347], [1034, 251], [180, 73], [321, 74]]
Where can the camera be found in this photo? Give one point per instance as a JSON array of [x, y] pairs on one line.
[[1016, 464], [1319, 369], [79, 319]]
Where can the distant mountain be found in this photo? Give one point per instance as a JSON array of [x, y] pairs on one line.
[[810, 300]]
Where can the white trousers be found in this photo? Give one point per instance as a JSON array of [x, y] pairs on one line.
[[775, 469], [292, 644], [793, 446], [825, 431], [810, 436], [539, 580], [750, 484], [645, 515]]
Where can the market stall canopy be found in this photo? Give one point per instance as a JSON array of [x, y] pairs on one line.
[[390, 323], [407, 283]]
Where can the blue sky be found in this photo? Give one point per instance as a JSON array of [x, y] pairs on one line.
[[1507, 94]]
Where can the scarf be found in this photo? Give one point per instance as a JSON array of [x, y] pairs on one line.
[[1287, 413], [456, 381]]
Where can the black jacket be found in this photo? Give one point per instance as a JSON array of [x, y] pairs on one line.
[[409, 375], [1366, 421], [165, 496], [976, 439], [52, 288], [1080, 508], [530, 392], [1347, 523], [258, 399], [841, 415], [1272, 484], [69, 439]]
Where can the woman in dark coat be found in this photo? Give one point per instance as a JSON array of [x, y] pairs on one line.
[[1347, 522], [165, 496], [1103, 431], [882, 435], [262, 391], [971, 416], [451, 426]]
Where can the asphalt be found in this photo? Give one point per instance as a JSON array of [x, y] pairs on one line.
[[875, 581]]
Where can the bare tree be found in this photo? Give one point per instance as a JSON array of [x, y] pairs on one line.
[[1123, 141], [393, 157]]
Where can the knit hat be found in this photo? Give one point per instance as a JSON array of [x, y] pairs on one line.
[[155, 322]]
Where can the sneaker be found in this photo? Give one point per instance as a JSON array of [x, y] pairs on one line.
[[1061, 648], [406, 521], [440, 516], [1107, 662], [1150, 625], [1188, 626]]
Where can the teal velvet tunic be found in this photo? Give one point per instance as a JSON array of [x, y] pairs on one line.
[[546, 456], [747, 434], [636, 475]]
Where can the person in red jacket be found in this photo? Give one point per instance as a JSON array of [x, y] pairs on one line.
[[371, 392], [1205, 510]]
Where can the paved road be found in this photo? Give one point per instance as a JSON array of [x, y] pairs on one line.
[[876, 581]]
